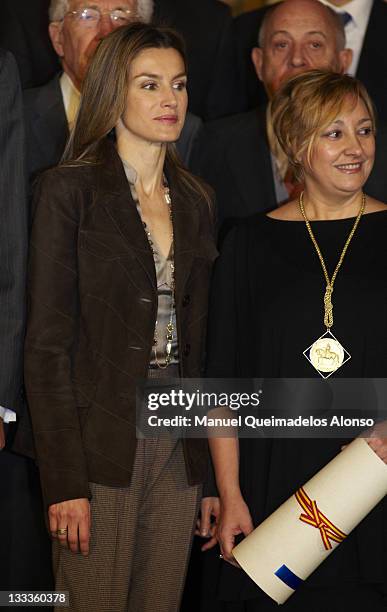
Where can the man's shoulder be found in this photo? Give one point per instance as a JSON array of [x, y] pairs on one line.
[[48, 93], [235, 126]]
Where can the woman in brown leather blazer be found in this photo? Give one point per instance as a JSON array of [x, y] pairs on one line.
[[120, 262]]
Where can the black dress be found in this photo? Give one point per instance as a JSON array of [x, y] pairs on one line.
[[266, 309]]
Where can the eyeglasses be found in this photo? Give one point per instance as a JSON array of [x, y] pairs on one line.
[[90, 17]]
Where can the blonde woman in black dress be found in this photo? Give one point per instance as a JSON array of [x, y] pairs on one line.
[[276, 296]]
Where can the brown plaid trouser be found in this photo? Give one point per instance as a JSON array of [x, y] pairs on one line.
[[140, 538]]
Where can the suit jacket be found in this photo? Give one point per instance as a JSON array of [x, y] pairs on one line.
[[207, 28], [24, 32], [372, 67], [246, 29], [47, 128], [93, 306], [13, 234], [233, 156]]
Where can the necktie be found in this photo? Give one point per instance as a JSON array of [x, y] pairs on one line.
[[345, 17]]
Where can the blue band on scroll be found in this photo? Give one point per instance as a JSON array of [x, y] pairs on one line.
[[287, 576]]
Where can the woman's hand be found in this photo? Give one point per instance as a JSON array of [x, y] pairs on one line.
[[70, 524], [377, 440], [234, 519], [379, 445], [205, 528]]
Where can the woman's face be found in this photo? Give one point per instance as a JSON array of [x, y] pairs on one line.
[[343, 153], [157, 100]]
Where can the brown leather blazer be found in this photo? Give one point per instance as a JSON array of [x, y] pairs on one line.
[[93, 304]]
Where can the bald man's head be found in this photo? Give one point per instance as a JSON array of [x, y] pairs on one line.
[[299, 35]]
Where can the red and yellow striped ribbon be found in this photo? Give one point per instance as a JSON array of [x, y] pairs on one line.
[[314, 517]]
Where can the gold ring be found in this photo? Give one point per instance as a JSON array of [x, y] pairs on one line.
[[61, 532]]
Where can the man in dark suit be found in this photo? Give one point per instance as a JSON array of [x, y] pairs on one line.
[[13, 242], [234, 154], [207, 28], [365, 27], [23, 539], [50, 110]]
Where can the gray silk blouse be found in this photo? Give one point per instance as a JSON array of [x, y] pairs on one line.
[[164, 288]]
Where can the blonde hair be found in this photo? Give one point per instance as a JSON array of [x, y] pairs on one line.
[[104, 96], [306, 104]]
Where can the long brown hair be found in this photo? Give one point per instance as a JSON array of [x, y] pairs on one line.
[[104, 94]]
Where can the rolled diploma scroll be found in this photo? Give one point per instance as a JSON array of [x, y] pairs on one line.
[[291, 543]]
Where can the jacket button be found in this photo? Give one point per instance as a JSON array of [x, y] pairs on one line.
[[186, 300], [187, 350]]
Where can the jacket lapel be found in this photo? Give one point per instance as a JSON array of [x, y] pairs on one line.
[[116, 198], [123, 213], [113, 190], [185, 216]]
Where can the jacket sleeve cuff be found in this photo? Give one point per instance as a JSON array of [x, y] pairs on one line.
[[59, 486]]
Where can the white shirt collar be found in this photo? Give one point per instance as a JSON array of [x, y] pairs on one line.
[[356, 28], [358, 9], [71, 98]]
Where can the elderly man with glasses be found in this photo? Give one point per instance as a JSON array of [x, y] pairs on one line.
[[75, 29]]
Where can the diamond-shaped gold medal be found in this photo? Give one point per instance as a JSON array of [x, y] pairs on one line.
[[327, 355]]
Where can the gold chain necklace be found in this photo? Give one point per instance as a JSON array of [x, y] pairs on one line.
[[170, 329], [327, 354]]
